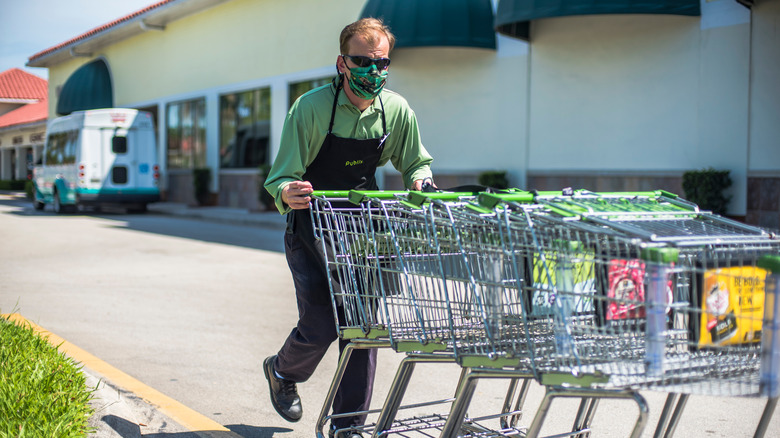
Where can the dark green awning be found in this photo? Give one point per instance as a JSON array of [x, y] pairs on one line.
[[89, 87], [463, 23], [513, 17]]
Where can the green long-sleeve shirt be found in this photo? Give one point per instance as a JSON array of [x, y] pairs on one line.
[[306, 126]]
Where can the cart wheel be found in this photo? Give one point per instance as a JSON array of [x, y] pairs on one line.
[[38, 205]]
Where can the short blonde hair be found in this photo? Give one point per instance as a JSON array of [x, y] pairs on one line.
[[365, 27]]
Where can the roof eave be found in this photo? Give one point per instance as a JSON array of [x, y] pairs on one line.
[[19, 101], [24, 126], [153, 20]]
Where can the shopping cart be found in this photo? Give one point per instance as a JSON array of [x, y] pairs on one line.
[[640, 297], [362, 264], [434, 299], [518, 337], [355, 283], [460, 291]]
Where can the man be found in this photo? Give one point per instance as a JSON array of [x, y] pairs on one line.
[[334, 138]]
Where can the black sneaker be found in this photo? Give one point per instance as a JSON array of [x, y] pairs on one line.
[[284, 395]]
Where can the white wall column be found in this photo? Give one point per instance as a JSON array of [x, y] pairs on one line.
[[212, 139], [5, 163], [280, 95], [20, 170], [162, 145]]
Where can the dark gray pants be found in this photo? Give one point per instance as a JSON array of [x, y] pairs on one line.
[[316, 330]]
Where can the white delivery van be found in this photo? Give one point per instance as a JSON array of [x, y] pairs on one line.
[[98, 157]]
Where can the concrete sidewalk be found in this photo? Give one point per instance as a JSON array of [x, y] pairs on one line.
[[122, 414]]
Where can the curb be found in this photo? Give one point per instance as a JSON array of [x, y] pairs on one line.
[[113, 418]]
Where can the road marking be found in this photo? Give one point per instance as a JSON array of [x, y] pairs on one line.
[[181, 414]]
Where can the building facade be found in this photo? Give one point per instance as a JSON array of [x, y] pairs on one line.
[[23, 115], [602, 101]]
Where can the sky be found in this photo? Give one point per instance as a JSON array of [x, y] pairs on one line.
[[31, 26]]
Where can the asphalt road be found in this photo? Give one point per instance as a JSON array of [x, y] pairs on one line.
[[191, 308]]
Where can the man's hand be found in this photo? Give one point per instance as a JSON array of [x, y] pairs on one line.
[[296, 194], [418, 184]]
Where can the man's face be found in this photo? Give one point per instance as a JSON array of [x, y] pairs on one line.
[[360, 46]]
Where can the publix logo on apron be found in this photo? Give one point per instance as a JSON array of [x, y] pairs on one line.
[[353, 163]]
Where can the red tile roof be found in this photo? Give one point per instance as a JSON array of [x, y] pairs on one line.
[[18, 84], [30, 113], [98, 29]]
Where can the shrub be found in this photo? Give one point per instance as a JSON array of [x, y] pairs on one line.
[[16, 184], [705, 188], [29, 188], [495, 179]]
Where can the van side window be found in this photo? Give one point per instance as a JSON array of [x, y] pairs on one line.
[[55, 148], [48, 149], [119, 145], [70, 146]]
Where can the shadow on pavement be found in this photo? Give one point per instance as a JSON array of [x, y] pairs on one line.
[[256, 432], [252, 237], [246, 236], [127, 429]]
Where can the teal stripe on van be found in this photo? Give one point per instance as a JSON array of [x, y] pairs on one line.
[[131, 191]]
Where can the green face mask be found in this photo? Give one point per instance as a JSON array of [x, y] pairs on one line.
[[367, 82]]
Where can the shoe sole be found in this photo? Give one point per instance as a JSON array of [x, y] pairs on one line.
[[267, 370]]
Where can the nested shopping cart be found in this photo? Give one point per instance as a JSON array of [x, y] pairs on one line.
[[517, 335], [362, 259], [648, 292], [460, 290], [439, 297], [354, 280], [422, 291]]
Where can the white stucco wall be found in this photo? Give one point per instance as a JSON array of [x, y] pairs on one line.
[[470, 103], [639, 93], [237, 41], [765, 89]]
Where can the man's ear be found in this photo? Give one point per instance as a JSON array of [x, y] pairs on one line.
[[340, 65]]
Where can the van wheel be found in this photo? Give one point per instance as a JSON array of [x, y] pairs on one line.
[[38, 205], [57, 204], [59, 208]]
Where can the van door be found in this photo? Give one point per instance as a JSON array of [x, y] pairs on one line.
[[119, 159]]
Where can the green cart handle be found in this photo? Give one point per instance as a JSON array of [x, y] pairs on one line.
[[479, 208], [654, 193], [360, 196], [650, 194], [419, 198], [330, 194], [491, 200]]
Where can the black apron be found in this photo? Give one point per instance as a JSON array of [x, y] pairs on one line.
[[341, 164]]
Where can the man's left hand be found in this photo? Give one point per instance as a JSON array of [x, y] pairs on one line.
[[418, 184]]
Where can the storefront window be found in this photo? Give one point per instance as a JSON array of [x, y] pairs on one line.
[[245, 128], [186, 131], [299, 88]]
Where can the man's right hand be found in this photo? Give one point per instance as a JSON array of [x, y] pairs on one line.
[[296, 194]]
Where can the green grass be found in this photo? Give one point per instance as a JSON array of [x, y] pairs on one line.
[[42, 392]]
